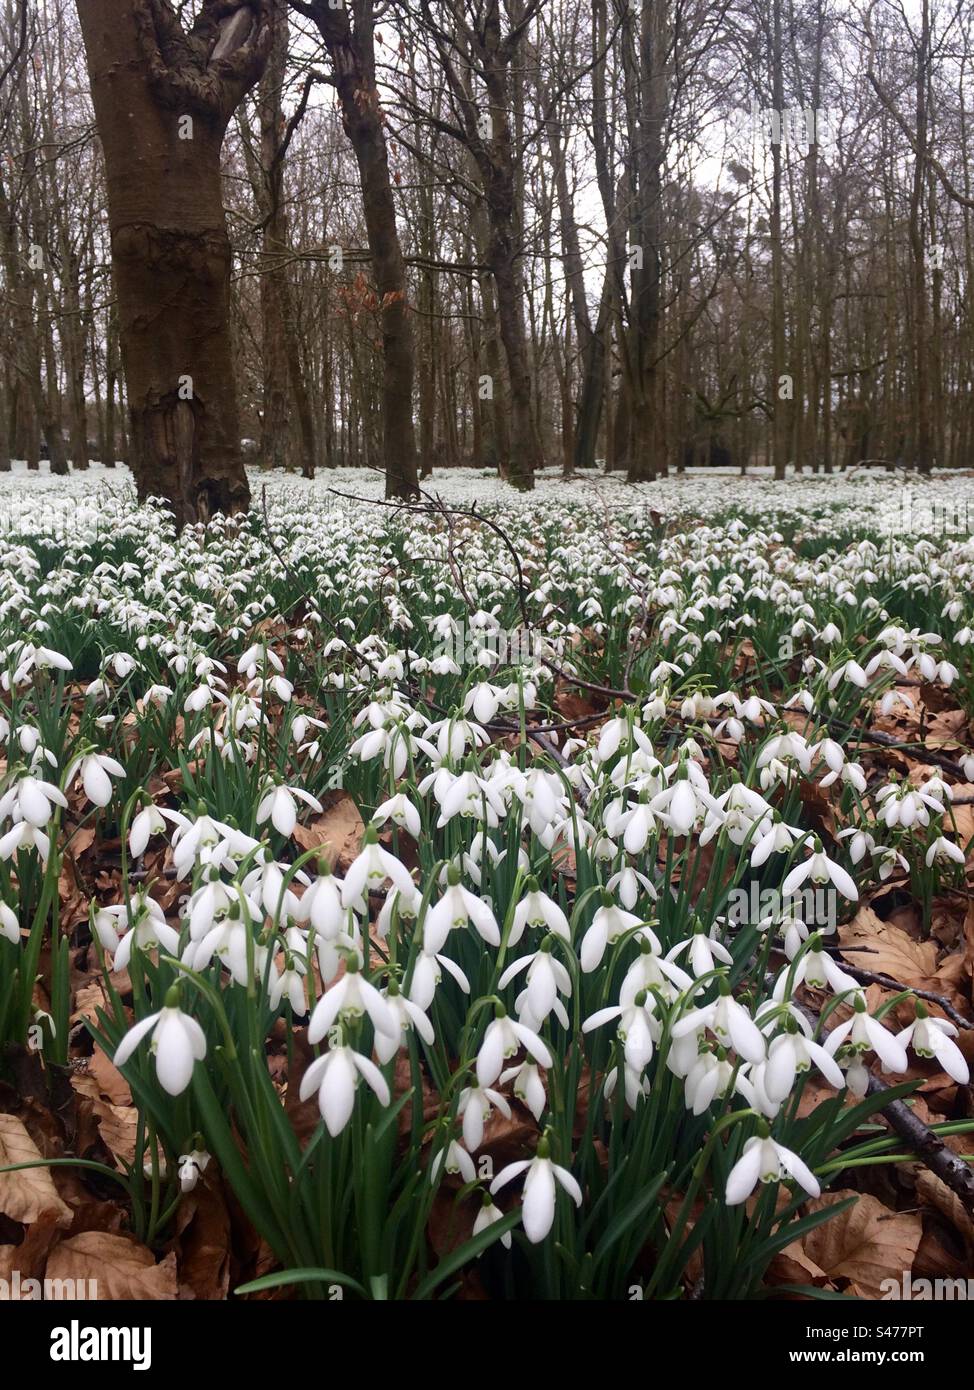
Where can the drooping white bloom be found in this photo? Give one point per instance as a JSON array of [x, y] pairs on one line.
[[864, 1034], [536, 909], [146, 823], [455, 909], [765, 1160], [475, 1106], [503, 1038], [371, 868], [335, 1076], [730, 1023], [540, 1185], [176, 1041], [277, 806], [934, 1037], [820, 869], [401, 811], [487, 1216], [36, 800], [191, 1168], [349, 1000]]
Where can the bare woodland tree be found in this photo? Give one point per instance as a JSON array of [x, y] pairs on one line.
[[163, 99]]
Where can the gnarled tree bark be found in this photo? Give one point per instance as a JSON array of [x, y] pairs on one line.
[[163, 98]]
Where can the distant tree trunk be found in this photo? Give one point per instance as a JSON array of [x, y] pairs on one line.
[[349, 36], [781, 428], [647, 425], [274, 355], [163, 98]]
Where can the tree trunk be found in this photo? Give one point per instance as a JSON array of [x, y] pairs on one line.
[[163, 98], [351, 47]]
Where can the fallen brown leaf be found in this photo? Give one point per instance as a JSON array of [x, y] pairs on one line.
[[30, 1192], [337, 832], [113, 1267], [865, 1244]]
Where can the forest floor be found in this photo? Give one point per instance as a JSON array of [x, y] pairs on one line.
[[387, 896]]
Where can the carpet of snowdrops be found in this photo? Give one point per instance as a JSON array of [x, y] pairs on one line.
[[462, 890]]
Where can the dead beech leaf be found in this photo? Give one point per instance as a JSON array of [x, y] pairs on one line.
[[26, 1194], [88, 1000], [30, 1256], [934, 1192], [111, 1082], [117, 1124], [865, 1244], [885, 949], [113, 1267], [963, 816], [337, 832], [203, 1225], [792, 1266]]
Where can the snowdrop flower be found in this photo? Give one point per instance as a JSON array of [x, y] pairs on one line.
[[371, 868], [474, 1106], [407, 1015], [538, 1199], [175, 1040], [778, 838], [612, 733], [546, 979], [608, 925], [527, 1086], [678, 805], [943, 850], [427, 976], [191, 1167], [277, 806], [708, 1079], [818, 970], [9, 924], [852, 673], [335, 1076], [290, 985], [454, 1159], [349, 1000], [637, 1030], [122, 664], [934, 1037], [487, 1216], [321, 904], [820, 869], [789, 1055], [730, 1023], [149, 931], [456, 908], [536, 909], [765, 1160], [503, 1038], [861, 842], [703, 951], [23, 835], [403, 814], [454, 736], [406, 906], [893, 698], [484, 700], [36, 800], [865, 1033], [627, 883], [146, 823], [197, 700]]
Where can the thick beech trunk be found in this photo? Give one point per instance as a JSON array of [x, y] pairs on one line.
[[163, 99]]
